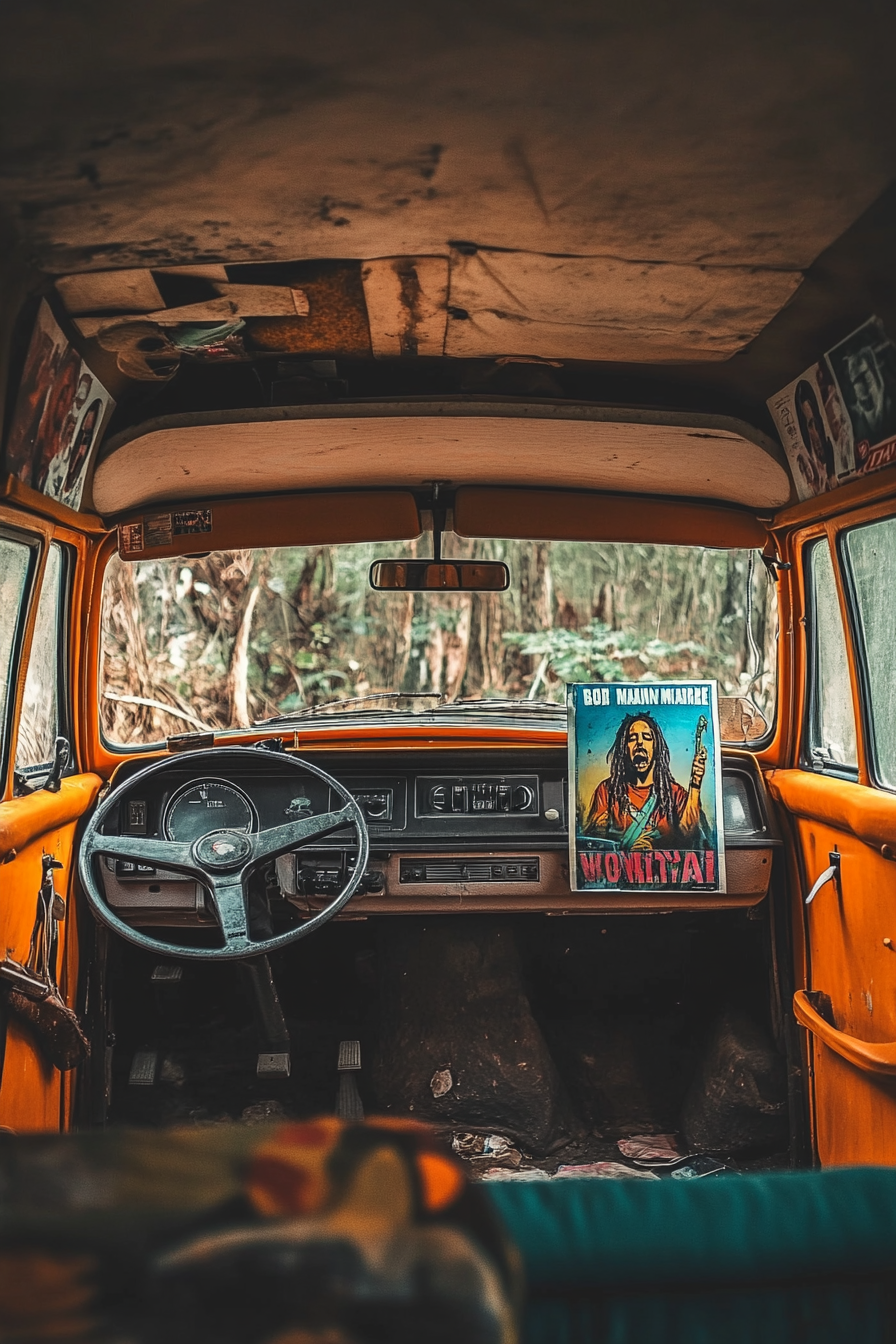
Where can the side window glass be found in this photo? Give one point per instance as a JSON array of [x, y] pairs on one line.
[[15, 564], [870, 553], [832, 728], [39, 722]]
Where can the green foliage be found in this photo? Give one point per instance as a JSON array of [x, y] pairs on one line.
[[239, 635], [598, 653]]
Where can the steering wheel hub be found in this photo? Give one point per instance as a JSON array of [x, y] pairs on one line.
[[222, 850]]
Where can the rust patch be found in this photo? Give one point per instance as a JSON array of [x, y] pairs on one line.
[[336, 323]]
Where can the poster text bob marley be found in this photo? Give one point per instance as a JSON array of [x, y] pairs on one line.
[[645, 787]]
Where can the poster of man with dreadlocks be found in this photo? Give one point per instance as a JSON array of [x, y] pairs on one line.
[[646, 779]]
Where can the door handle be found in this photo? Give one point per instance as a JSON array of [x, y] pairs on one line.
[[831, 874], [870, 1056]]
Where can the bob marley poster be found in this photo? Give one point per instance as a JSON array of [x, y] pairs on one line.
[[645, 787]]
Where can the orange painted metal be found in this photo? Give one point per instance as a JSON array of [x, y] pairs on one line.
[[39, 505], [34, 1095], [31, 1090], [868, 1057], [846, 939], [24, 820]]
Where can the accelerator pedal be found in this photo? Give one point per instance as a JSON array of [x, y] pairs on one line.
[[144, 1067], [348, 1099]]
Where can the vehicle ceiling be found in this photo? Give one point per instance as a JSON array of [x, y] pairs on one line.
[[683, 204]]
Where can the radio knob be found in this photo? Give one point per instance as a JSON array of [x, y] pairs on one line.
[[522, 797], [438, 798], [375, 804]]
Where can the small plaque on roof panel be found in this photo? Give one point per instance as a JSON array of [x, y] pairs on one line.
[[189, 522], [130, 538], [158, 529]]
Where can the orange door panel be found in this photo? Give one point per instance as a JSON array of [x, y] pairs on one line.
[[33, 1094], [842, 822], [851, 962]]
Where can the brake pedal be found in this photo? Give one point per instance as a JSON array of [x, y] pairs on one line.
[[348, 1100], [167, 973], [273, 1064], [144, 1067]]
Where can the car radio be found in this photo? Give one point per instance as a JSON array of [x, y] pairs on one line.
[[476, 795]]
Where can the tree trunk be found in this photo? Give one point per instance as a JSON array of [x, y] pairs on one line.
[[238, 677]]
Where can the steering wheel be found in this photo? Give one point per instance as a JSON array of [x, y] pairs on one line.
[[222, 860]]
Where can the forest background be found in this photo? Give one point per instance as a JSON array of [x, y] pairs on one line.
[[236, 636]]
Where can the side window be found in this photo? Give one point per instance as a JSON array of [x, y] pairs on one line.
[[43, 700], [16, 559], [831, 725], [870, 553]]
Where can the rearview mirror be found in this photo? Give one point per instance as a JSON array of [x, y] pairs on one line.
[[417, 576]]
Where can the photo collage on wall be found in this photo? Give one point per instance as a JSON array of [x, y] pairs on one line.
[[837, 421], [60, 414], [645, 787]]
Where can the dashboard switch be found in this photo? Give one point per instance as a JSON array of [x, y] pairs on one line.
[[136, 821]]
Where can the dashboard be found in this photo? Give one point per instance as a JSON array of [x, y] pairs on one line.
[[450, 831]]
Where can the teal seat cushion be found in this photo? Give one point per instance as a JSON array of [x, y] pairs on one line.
[[767, 1258]]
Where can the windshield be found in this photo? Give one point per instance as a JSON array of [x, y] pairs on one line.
[[239, 636]]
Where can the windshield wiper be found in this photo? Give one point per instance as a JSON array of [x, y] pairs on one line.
[[419, 702], [505, 704], [375, 700]]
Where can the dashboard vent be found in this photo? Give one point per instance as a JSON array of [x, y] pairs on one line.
[[470, 870]]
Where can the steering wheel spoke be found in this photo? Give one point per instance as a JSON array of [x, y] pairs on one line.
[[147, 850], [228, 893], [280, 839]]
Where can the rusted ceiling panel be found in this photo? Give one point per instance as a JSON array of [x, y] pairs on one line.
[[684, 162]]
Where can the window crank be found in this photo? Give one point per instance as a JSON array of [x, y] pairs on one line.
[[831, 874]]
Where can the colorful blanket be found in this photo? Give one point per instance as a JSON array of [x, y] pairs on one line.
[[319, 1232]]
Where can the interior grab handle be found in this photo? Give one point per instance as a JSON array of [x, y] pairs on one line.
[[830, 874], [870, 1056]]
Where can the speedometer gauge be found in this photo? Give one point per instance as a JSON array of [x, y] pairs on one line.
[[208, 805]]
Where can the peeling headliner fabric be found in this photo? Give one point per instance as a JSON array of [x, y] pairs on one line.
[[700, 197], [399, 445], [739, 140], [687, 133]]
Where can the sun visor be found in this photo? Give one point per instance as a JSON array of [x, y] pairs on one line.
[[566, 515], [268, 520]]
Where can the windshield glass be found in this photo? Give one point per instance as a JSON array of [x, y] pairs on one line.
[[238, 636]]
